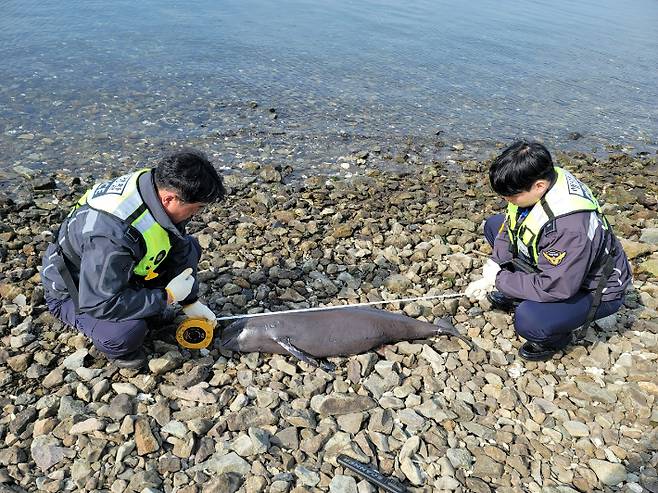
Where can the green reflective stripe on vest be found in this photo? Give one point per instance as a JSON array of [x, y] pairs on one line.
[[157, 243], [120, 197], [567, 196]]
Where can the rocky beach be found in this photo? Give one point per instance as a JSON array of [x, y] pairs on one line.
[[432, 414]]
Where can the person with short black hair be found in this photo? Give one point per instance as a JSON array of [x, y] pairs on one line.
[[122, 255], [556, 262], [191, 175]]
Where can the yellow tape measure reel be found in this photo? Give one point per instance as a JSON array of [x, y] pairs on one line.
[[194, 333]]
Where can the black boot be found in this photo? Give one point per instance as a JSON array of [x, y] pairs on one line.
[[501, 302], [133, 361], [535, 351]]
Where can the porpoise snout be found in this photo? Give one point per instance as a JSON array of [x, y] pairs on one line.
[[229, 336]]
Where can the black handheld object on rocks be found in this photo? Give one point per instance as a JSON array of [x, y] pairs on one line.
[[372, 475]]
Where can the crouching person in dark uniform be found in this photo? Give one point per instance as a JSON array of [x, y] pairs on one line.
[[122, 255], [556, 261]]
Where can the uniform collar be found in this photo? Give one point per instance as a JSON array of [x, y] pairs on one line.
[[149, 194]]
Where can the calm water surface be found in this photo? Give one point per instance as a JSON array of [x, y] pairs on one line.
[[83, 77]]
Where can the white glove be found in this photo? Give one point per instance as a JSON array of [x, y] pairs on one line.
[[478, 289], [199, 310], [490, 270], [180, 286]]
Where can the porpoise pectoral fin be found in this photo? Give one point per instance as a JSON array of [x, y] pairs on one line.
[[445, 327], [303, 355]]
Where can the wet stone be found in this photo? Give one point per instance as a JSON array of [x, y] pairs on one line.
[[249, 417], [54, 378], [20, 362], [75, 360], [68, 407], [397, 283], [286, 438], [301, 418], [120, 407], [350, 423], [224, 464], [477, 485], [22, 420], [87, 426], [170, 361], [337, 404], [411, 471], [142, 480], [306, 476], [168, 463], [608, 473], [343, 484], [144, 438], [12, 455], [459, 458], [576, 428], [46, 452]]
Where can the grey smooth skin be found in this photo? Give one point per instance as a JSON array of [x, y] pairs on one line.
[[337, 332]]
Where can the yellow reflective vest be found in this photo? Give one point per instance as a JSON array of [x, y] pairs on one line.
[[567, 196], [121, 198]]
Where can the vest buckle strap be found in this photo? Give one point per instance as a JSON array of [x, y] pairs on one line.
[[130, 234]]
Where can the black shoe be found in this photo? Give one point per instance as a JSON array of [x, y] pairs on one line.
[[501, 302], [534, 351], [133, 361]]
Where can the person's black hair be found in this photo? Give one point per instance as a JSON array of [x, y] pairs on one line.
[[519, 166], [191, 176]]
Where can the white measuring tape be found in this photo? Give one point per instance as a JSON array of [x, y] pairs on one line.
[[334, 307]]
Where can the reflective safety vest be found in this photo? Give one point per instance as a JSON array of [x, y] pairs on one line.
[[567, 196], [121, 198]]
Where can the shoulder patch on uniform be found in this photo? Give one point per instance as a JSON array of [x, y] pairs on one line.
[[554, 257], [549, 228]]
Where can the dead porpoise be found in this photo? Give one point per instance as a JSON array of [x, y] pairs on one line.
[[334, 332]]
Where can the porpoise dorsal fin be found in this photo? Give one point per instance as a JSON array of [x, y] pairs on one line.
[[302, 355]]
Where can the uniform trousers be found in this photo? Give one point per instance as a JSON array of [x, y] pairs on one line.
[[115, 339]]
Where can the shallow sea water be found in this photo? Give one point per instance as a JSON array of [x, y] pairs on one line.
[[92, 83]]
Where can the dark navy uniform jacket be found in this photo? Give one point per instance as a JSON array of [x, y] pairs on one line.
[[109, 290], [567, 251]]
